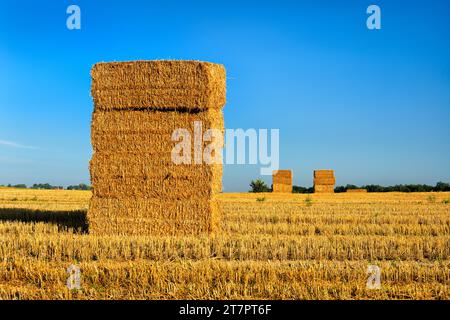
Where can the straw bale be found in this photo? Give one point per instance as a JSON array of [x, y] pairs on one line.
[[154, 207], [281, 188], [164, 84], [152, 216], [325, 181], [153, 121], [110, 165], [147, 143], [323, 189], [169, 188], [323, 173]]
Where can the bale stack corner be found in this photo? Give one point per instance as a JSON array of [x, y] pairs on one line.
[[324, 181], [137, 188], [282, 181]]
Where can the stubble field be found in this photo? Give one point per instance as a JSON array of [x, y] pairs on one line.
[[270, 247]]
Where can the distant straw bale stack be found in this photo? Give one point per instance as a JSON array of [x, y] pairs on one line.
[[282, 181], [356, 190], [137, 188], [324, 181]]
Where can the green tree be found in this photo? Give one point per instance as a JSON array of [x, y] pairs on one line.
[[45, 186], [340, 189], [20, 186], [259, 185], [441, 186], [298, 189], [81, 186]]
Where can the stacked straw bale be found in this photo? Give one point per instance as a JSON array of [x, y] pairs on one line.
[[324, 181], [282, 181], [137, 188]]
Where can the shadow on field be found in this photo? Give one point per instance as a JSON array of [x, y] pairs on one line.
[[64, 219]]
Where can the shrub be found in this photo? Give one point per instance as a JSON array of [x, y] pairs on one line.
[[259, 185]]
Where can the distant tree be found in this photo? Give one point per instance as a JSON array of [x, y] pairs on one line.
[[20, 186], [374, 188], [45, 186], [81, 186], [259, 185], [298, 189], [441, 186]]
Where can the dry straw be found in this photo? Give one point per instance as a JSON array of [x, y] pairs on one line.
[[282, 181], [137, 189], [324, 181], [190, 85]]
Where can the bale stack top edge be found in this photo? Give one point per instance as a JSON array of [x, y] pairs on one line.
[[158, 84]]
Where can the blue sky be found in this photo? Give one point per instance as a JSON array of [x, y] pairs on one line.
[[372, 104]]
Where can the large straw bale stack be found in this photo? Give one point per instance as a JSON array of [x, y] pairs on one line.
[[282, 181], [324, 181], [137, 188]]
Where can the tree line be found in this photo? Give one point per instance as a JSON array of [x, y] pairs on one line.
[[259, 185], [439, 187], [47, 186]]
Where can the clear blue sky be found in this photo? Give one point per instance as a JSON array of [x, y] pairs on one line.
[[373, 105]]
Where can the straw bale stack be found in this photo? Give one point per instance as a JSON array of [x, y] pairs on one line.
[[137, 188], [282, 181], [324, 181]]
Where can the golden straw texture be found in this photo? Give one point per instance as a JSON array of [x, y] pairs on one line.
[[324, 181], [160, 84], [282, 181], [357, 190], [137, 187]]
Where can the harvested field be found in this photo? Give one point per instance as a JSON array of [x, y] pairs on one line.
[[281, 248], [357, 190]]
